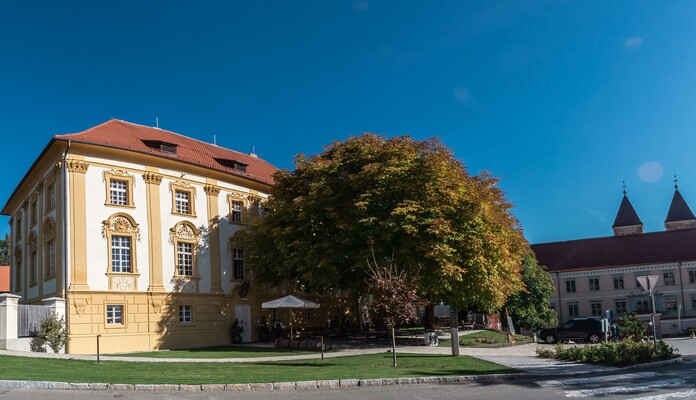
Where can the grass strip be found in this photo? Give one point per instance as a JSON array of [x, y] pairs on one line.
[[369, 366], [219, 352], [486, 339]]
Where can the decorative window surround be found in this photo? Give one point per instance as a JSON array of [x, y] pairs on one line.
[[185, 232], [122, 225], [183, 188], [116, 199], [49, 232]]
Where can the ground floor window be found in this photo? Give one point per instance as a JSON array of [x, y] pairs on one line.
[[596, 309], [186, 314], [573, 310], [670, 304], [621, 307], [114, 315]]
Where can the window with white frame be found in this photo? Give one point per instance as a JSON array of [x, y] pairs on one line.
[[596, 309], [236, 215], [620, 308], [114, 314], [184, 258], [618, 282], [121, 254], [185, 314], [594, 284], [182, 200], [238, 264], [573, 310], [570, 285], [692, 276], [118, 192], [670, 304], [119, 188], [668, 278]]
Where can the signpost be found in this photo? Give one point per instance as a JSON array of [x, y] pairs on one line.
[[648, 283]]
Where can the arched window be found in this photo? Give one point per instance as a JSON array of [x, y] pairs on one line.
[[121, 234], [184, 238], [48, 231]]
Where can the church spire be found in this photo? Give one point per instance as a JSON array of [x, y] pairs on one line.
[[627, 221], [679, 215]]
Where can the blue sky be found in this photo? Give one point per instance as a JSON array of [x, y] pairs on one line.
[[562, 100]]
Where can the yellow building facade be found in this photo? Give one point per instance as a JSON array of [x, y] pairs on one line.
[[137, 228]]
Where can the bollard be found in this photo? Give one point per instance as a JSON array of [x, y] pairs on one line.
[[98, 336]]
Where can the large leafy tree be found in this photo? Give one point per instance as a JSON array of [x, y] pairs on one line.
[[529, 307], [406, 199]]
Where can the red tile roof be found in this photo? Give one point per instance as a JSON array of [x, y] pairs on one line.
[[614, 251], [4, 279], [129, 136]]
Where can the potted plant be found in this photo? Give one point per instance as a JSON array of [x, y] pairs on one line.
[[236, 330]]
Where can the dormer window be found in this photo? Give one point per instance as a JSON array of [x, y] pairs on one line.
[[234, 164], [161, 146]]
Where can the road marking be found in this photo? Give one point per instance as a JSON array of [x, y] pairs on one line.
[[596, 379], [631, 387], [676, 395]]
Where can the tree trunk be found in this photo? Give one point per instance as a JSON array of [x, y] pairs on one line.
[[393, 340], [429, 316]]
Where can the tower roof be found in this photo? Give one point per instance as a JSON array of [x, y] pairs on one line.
[[679, 210], [627, 215]]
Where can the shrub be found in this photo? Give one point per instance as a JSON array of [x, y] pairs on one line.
[[622, 353], [631, 327], [52, 332]]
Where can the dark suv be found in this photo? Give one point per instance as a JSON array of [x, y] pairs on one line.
[[586, 329]]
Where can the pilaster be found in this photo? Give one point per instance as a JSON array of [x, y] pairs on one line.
[[154, 227], [212, 191], [78, 224]]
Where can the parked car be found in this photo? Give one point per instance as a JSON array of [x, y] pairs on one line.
[[585, 329]]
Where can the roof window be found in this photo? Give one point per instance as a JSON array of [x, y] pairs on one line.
[[234, 164], [161, 146]]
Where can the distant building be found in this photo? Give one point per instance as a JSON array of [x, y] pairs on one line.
[[599, 274]]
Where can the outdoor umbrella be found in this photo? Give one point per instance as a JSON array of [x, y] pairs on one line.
[[289, 301]]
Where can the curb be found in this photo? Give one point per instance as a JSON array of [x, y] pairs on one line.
[[299, 385]]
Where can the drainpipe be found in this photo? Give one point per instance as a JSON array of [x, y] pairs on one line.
[[560, 306], [64, 172]]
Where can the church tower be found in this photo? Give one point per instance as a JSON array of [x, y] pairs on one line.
[[679, 215], [627, 221]]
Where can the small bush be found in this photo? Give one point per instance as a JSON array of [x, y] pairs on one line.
[[622, 353], [631, 327], [52, 332]]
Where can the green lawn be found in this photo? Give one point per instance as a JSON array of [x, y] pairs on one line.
[[349, 367], [487, 339], [220, 352]]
